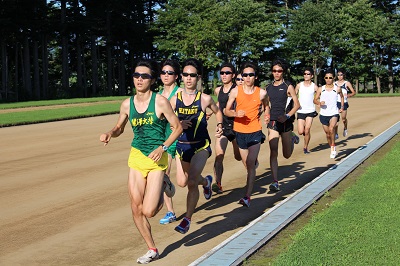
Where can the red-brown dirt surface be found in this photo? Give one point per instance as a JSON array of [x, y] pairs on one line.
[[64, 200]]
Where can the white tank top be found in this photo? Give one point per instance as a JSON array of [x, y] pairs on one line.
[[306, 97], [329, 97]]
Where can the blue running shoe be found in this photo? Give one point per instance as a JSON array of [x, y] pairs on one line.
[[295, 138], [183, 227], [207, 189], [306, 151], [274, 187], [168, 218], [245, 201]]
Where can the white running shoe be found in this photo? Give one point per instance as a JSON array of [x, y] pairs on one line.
[[333, 154], [345, 133], [336, 136], [148, 257]]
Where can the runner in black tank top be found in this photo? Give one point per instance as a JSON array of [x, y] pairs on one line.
[[284, 104], [227, 74]]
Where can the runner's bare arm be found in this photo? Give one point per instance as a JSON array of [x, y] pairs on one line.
[[164, 108], [228, 109], [316, 97], [352, 91], [296, 103], [218, 115], [118, 129]]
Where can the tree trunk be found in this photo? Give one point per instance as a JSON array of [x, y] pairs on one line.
[[109, 56], [378, 84], [45, 68], [27, 70], [4, 75], [79, 72], [390, 69], [16, 76], [122, 72], [36, 71], [64, 45], [95, 74]]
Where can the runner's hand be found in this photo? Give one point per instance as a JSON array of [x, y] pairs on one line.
[[105, 137], [186, 124], [156, 154], [218, 132]]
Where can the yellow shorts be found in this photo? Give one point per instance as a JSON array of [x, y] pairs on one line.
[[140, 162]]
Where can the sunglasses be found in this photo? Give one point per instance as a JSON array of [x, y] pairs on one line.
[[136, 75], [225, 73], [248, 74], [164, 72], [307, 74], [277, 70], [239, 79], [193, 75], [328, 78]]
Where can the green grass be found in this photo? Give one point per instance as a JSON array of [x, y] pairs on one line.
[[40, 116], [360, 94], [61, 101], [360, 228]]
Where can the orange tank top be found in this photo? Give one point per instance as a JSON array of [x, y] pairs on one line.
[[252, 106]]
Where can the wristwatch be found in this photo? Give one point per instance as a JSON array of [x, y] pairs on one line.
[[165, 148]]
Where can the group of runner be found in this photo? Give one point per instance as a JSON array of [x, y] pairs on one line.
[[172, 124]]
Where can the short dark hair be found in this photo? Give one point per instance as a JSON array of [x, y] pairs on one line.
[[194, 63], [174, 64], [227, 64], [309, 69], [279, 62], [330, 71], [149, 63], [249, 64]]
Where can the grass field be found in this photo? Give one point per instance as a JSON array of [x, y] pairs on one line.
[[359, 228], [72, 109]]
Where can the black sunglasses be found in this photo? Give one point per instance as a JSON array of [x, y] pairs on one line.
[[136, 75], [193, 75], [239, 79], [328, 78], [248, 74], [225, 73], [307, 74], [164, 72], [277, 70]]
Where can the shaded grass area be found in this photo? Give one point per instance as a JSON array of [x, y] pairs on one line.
[[355, 223], [40, 116], [60, 102]]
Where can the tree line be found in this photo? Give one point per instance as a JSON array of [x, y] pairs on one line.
[[85, 48]]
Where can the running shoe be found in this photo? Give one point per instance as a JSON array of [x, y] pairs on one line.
[[333, 154], [183, 227], [305, 151], [245, 201], [295, 138], [150, 256], [207, 189], [169, 188], [274, 187], [168, 218], [345, 133], [217, 188], [336, 136]]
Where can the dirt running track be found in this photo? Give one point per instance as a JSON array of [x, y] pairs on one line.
[[64, 200]]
